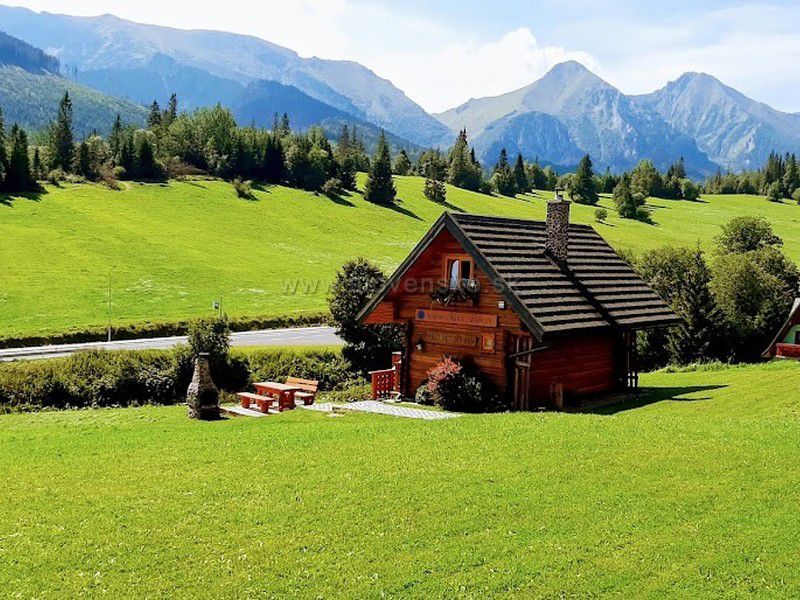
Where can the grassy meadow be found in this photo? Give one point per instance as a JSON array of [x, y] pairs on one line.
[[168, 251], [690, 492]]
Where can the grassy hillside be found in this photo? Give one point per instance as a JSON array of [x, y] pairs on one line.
[[169, 250], [690, 493]]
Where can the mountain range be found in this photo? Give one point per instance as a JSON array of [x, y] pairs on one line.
[[566, 114]]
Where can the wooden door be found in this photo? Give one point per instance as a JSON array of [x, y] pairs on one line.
[[520, 371]]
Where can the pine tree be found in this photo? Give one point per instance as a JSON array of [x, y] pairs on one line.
[[402, 164], [62, 143], [171, 113], [503, 178], [18, 176], [520, 177], [380, 187], [272, 164], [83, 161], [434, 169], [3, 155], [696, 338], [285, 128], [37, 170], [127, 155], [115, 138], [154, 118], [791, 177], [582, 186], [628, 205], [464, 170]]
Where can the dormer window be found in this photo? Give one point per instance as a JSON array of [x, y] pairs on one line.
[[458, 270]]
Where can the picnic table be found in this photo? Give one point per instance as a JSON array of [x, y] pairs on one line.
[[282, 392]]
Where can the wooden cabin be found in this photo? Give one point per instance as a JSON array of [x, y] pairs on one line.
[[547, 310], [787, 343]]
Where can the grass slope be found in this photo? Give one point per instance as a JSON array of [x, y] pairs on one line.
[[692, 492], [170, 250]]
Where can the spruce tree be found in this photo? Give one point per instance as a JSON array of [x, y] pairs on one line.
[[36, 169], [285, 128], [402, 164], [272, 167], [154, 118], [83, 161], [503, 178], [520, 177], [62, 143], [18, 176], [171, 113], [380, 187], [464, 170], [434, 169], [582, 187], [3, 154], [115, 138]]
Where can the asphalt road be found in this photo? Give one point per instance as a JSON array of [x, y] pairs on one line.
[[300, 336]]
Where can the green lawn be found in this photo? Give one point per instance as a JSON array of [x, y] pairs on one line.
[[692, 492], [169, 250]]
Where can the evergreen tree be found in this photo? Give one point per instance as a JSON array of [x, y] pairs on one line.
[[520, 177], [503, 178], [628, 205], [582, 186], [645, 181], [791, 176], [18, 176], [171, 113], [154, 118], [272, 164], [3, 154], [464, 171], [127, 155], [345, 160], [83, 162], [62, 144], [115, 138], [380, 187], [434, 170], [402, 164], [37, 171], [285, 128]]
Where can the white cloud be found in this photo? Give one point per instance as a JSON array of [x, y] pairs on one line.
[[451, 74]]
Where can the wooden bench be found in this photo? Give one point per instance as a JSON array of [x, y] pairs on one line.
[[263, 402], [308, 389]]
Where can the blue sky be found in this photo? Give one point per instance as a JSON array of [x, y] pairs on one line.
[[443, 52]]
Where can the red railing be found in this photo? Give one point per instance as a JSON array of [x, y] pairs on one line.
[[382, 383], [386, 383], [788, 350]]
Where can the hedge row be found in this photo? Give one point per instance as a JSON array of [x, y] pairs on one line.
[[147, 330], [129, 378]]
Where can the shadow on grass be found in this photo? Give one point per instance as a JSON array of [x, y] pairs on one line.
[[339, 198], [404, 211], [649, 396], [8, 199]]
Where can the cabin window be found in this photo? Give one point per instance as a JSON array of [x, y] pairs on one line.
[[457, 270], [797, 337]]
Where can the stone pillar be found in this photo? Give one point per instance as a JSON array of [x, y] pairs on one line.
[[202, 396], [557, 230]]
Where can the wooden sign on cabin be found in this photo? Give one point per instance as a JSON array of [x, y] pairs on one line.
[[446, 317]]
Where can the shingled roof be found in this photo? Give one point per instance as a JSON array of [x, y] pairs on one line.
[[594, 290]]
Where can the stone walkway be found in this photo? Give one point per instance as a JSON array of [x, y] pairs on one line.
[[380, 408]]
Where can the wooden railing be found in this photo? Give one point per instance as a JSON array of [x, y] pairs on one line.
[[386, 383], [382, 383], [788, 350]]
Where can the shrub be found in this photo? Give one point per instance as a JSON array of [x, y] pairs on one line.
[[128, 378], [796, 195], [332, 187], [244, 189], [353, 393], [56, 176], [600, 215], [455, 386], [774, 192], [423, 394]]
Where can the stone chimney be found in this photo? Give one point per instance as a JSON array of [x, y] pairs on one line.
[[557, 235], [202, 396]]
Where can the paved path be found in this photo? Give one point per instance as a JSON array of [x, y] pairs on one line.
[[380, 408], [298, 336]]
